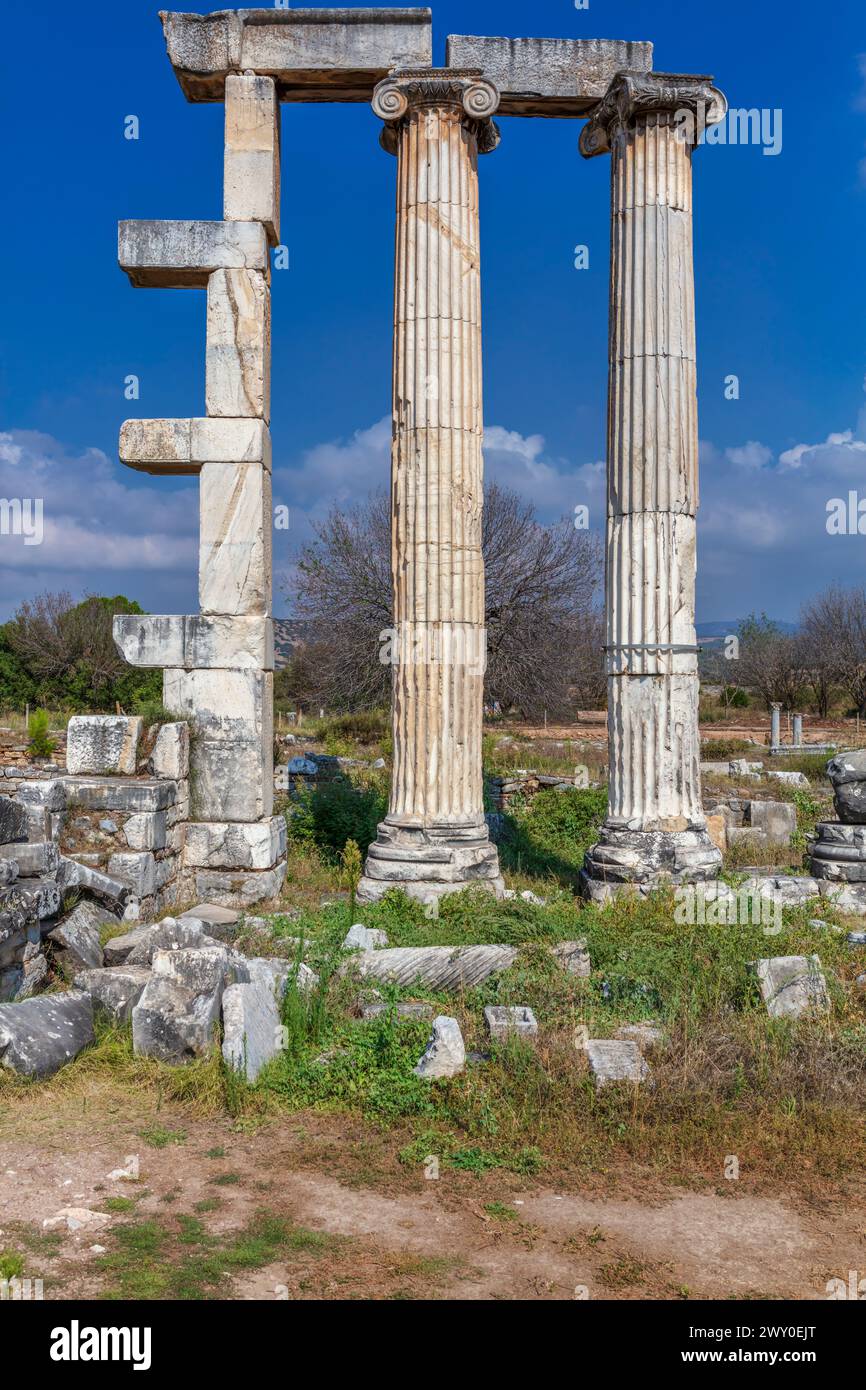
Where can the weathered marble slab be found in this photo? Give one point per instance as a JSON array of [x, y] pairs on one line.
[[251, 169], [235, 540], [548, 77], [312, 55], [181, 255], [181, 446], [223, 845], [98, 743], [230, 782], [238, 353], [195, 641], [226, 706]]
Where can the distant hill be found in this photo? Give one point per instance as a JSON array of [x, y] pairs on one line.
[[288, 634]]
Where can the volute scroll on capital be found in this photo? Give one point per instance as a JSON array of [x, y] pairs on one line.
[[414, 89], [692, 100]]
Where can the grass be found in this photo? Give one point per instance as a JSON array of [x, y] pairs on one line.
[[159, 1138], [180, 1259], [11, 1264]]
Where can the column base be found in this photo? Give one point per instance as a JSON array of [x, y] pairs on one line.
[[839, 852], [641, 860], [428, 862]]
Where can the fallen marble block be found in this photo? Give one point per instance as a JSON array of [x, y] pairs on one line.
[[445, 1054], [76, 939], [856, 938], [792, 986], [849, 898], [790, 779], [402, 1010], [574, 958], [504, 1022], [179, 1008], [115, 990], [615, 1059], [361, 938], [39, 857], [108, 890], [790, 890], [434, 967], [40, 896], [168, 935], [252, 1031], [741, 767], [646, 1035], [39, 1036]]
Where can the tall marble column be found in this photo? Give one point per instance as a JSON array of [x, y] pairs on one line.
[[434, 839], [655, 825]]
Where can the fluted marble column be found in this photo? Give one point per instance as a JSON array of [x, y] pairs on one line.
[[655, 825], [434, 839]]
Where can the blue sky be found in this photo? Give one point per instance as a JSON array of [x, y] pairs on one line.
[[780, 296]]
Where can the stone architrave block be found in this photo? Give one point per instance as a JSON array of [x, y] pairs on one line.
[[230, 781], [238, 352], [100, 743], [170, 755], [194, 642], [312, 54], [227, 845], [222, 705], [251, 169], [235, 541], [180, 255], [146, 830], [168, 447], [548, 77]]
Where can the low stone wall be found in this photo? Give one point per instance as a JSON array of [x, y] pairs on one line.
[[503, 790]]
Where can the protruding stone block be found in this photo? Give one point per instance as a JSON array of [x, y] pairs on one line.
[[195, 642], [179, 447], [251, 182], [112, 794], [98, 743], [312, 55], [137, 871], [180, 255], [238, 354], [548, 77], [240, 887], [235, 539], [227, 845]]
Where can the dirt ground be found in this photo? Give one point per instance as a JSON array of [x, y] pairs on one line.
[[396, 1234]]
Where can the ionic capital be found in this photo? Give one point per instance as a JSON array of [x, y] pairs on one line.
[[414, 89], [692, 101]]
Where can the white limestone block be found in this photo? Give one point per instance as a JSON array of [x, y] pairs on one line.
[[251, 1027], [445, 1054], [195, 641], [251, 182], [146, 830], [238, 355], [222, 705], [177, 255], [315, 55], [170, 755], [137, 871], [230, 781], [235, 546], [99, 743], [179, 447], [224, 845]]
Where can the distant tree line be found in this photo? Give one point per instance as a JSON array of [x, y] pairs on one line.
[[817, 667], [543, 617], [61, 654]]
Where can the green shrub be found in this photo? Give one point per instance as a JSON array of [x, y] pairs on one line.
[[549, 837], [41, 744], [329, 814]]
